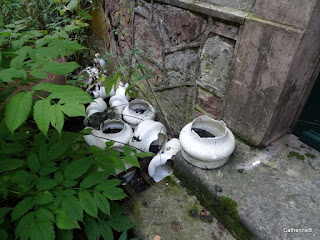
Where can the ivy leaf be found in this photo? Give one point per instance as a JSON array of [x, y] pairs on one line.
[[8, 164], [42, 115], [45, 183], [77, 168], [60, 68], [93, 179], [88, 203], [114, 193], [73, 109], [42, 198], [71, 206], [63, 221], [102, 202], [33, 163], [18, 110], [92, 229], [56, 117], [120, 223], [22, 208], [105, 230]]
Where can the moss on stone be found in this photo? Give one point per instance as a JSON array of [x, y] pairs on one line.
[[310, 155], [295, 154]]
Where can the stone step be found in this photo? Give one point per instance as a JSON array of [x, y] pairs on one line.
[[262, 193], [167, 211]]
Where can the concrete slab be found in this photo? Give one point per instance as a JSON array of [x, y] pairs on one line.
[[262, 193], [168, 211]]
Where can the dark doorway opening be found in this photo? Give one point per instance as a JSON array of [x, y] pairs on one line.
[[308, 125]]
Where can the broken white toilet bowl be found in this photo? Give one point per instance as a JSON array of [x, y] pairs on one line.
[[149, 136], [160, 166], [137, 111], [111, 130], [211, 150], [98, 105], [121, 90], [89, 75]]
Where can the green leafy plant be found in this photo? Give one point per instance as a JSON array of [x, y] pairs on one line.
[[50, 186]]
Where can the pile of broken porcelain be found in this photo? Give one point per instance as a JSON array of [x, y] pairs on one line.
[[205, 143], [130, 123]]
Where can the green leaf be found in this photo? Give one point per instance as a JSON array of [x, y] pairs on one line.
[[105, 230], [132, 160], [71, 206], [23, 230], [42, 115], [3, 189], [3, 234], [23, 179], [69, 183], [77, 168], [8, 164], [144, 154], [88, 203], [114, 193], [74, 109], [3, 212], [22, 208], [72, 5], [102, 202], [63, 221], [45, 183], [42, 230], [8, 74], [70, 46], [58, 177], [39, 73], [56, 117], [60, 68], [33, 163], [120, 223], [18, 110], [111, 183], [93, 179], [18, 61], [42, 198], [92, 229], [44, 214], [64, 234], [123, 236]]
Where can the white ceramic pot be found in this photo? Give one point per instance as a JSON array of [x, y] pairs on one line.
[[121, 90], [98, 105], [99, 60], [138, 111], [160, 166], [118, 103], [121, 137], [206, 152], [149, 136], [89, 75]]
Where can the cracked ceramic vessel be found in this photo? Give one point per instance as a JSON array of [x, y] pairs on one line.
[[206, 152], [121, 135], [98, 105], [89, 75], [138, 111], [100, 91], [121, 90], [128, 176], [160, 166], [149, 136]]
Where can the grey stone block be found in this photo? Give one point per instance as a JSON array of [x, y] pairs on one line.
[[266, 190], [245, 5], [295, 13]]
